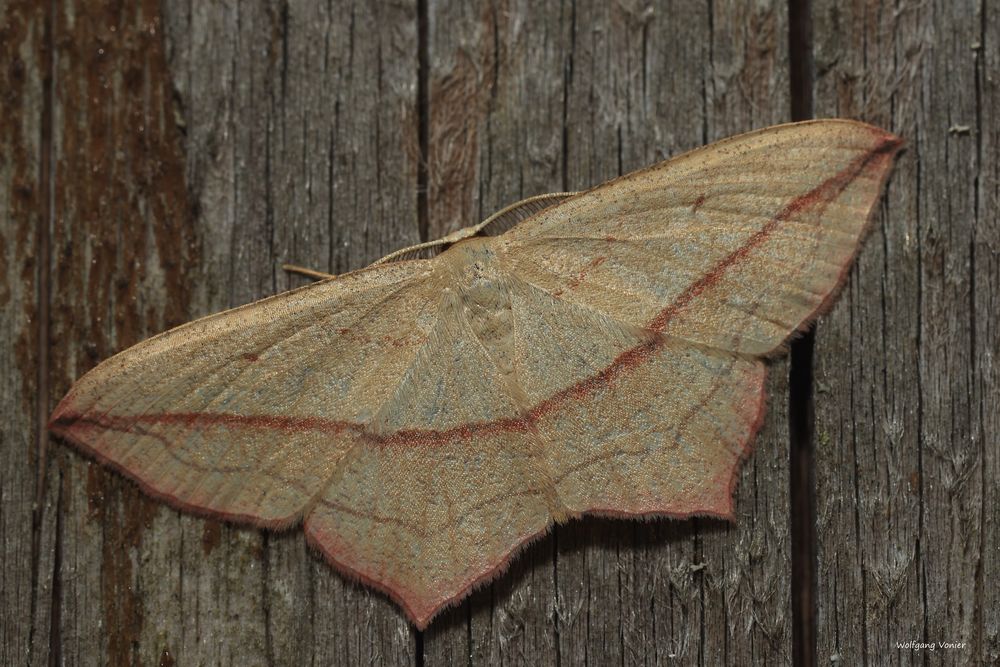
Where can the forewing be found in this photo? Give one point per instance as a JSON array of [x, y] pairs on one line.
[[246, 414], [733, 246]]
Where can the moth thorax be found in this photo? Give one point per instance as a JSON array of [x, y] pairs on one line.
[[486, 307], [470, 258]]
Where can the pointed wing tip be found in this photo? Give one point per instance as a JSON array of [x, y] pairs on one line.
[[421, 620], [421, 612], [418, 610], [56, 426], [419, 607], [890, 144], [62, 416], [61, 425], [886, 141]]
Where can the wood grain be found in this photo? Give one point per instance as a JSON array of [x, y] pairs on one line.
[[485, 115], [300, 155], [27, 511], [561, 99], [906, 390], [159, 161], [166, 196]]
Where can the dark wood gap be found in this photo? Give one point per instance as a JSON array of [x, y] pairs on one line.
[[423, 206], [802, 68], [801, 408], [418, 648], [423, 121], [55, 614], [802, 498], [46, 189]]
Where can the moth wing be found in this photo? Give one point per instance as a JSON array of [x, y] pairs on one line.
[[733, 246], [424, 447], [246, 414], [450, 481], [632, 422]]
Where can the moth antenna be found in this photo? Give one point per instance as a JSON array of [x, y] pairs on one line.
[[405, 253], [497, 223], [511, 215], [316, 275]]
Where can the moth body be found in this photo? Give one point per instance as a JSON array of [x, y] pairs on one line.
[[422, 420]]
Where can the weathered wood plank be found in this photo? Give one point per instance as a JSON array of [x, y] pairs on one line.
[[528, 98], [133, 256], [121, 237], [292, 136], [748, 614], [985, 400], [495, 118], [649, 83], [302, 155], [27, 563], [906, 465]]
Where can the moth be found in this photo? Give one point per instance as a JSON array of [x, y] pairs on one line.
[[423, 419]]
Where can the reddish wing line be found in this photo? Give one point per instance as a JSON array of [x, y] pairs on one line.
[[819, 198]]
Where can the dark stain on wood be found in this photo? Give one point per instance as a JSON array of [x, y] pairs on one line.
[[166, 659], [128, 513], [18, 156], [122, 217], [211, 536]]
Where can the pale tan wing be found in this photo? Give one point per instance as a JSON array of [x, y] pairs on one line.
[[446, 485], [247, 413], [734, 245], [523, 409], [633, 422]]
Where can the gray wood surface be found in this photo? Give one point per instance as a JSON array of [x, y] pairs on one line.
[[159, 161], [523, 102], [906, 363], [28, 551]]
